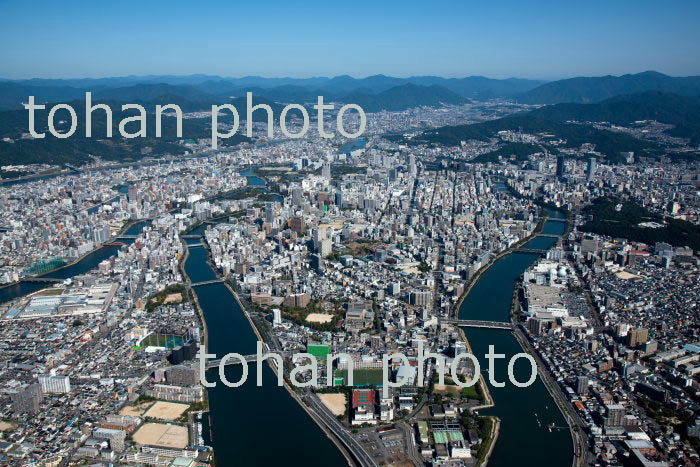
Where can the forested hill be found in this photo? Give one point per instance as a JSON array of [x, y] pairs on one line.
[[681, 111], [595, 89], [607, 142], [572, 123]]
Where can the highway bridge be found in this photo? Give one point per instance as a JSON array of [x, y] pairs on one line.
[[230, 361], [530, 250], [127, 236], [213, 281], [473, 323], [47, 280], [191, 236], [548, 235], [191, 245]]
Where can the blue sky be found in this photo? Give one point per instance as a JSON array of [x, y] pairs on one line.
[[532, 39]]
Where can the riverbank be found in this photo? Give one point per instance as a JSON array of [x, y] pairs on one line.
[[487, 403], [579, 442], [192, 294], [526, 414], [345, 450], [123, 231], [488, 399], [475, 278]]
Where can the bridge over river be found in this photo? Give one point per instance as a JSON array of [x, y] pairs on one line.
[[230, 361], [47, 280], [473, 323]]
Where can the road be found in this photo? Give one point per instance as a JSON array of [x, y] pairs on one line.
[[342, 433]]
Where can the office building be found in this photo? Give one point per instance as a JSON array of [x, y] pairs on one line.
[[592, 166], [27, 400], [560, 167]]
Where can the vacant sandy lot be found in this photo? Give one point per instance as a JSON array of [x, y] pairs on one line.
[[336, 403], [446, 389], [5, 426], [134, 410], [166, 410], [173, 298], [159, 434], [51, 291], [624, 275], [319, 318]]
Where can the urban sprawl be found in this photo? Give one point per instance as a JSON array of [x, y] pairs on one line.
[[363, 249]]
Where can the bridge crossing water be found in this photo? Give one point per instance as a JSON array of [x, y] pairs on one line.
[[48, 280], [230, 361], [473, 323], [530, 250], [213, 281]]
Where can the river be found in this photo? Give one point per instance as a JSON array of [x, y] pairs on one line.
[[525, 438], [86, 263], [251, 425]]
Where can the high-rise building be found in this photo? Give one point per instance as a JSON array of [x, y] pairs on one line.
[[581, 385], [326, 248], [297, 195], [116, 438], [326, 171], [614, 413], [319, 234], [419, 298], [131, 194], [317, 263], [27, 400], [276, 316], [269, 212], [560, 167], [182, 375], [592, 166], [297, 224], [637, 337]]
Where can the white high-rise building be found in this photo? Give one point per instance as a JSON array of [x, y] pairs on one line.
[[326, 171], [276, 317]]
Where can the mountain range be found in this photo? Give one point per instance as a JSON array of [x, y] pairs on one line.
[[203, 90], [589, 90], [618, 100]]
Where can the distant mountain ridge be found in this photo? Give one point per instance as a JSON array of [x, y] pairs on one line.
[[405, 96], [595, 89], [204, 88]]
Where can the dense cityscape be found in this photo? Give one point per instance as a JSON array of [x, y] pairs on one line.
[[118, 274]]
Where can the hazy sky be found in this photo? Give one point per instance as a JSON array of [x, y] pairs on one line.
[[521, 38]]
